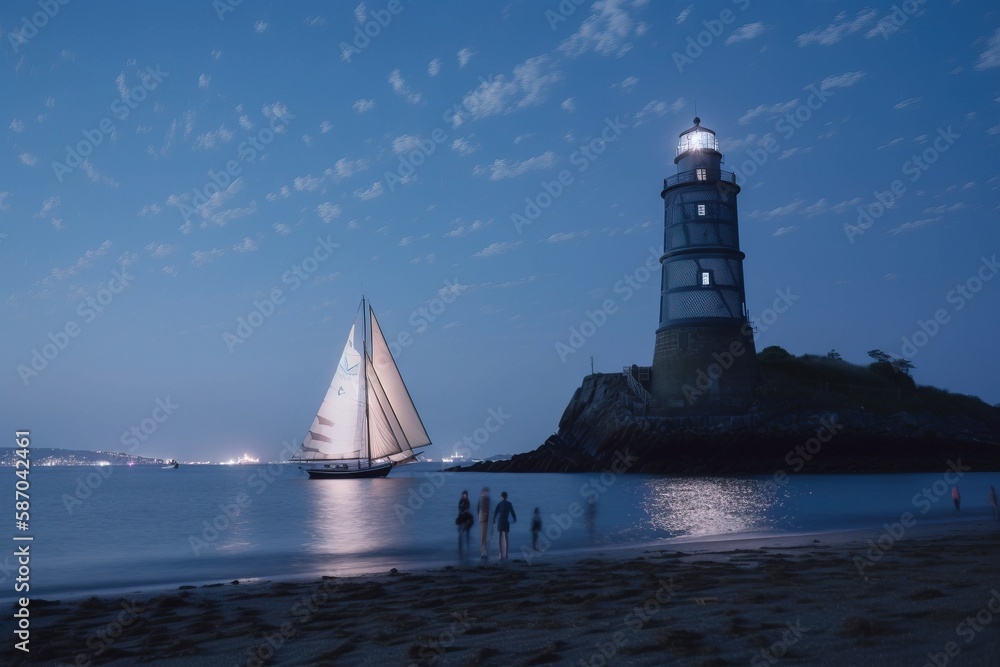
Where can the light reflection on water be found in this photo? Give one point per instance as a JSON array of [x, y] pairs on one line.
[[141, 527], [682, 506]]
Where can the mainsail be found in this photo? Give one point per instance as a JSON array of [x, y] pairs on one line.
[[367, 413]]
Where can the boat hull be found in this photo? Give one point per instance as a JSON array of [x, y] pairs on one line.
[[330, 472]]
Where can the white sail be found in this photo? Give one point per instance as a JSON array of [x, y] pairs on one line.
[[367, 414], [337, 431], [411, 428]]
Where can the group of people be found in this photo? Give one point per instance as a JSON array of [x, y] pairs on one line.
[[956, 497], [503, 514]]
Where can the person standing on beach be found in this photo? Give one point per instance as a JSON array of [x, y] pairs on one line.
[[536, 527], [957, 497], [484, 519], [464, 523], [503, 511], [993, 501]]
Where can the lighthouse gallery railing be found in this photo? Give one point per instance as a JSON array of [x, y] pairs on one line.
[[694, 175]]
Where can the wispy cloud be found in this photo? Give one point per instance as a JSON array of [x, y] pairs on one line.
[[607, 31], [463, 147], [781, 231], [202, 257], [161, 249], [463, 229], [246, 245], [528, 86], [498, 248], [768, 110], [362, 105], [96, 176], [909, 102], [845, 80], [29, 159], [209, 139], [685, 13], [501, 169], [372, 192], [464, 56], [561, 237], [434, 67], [916, 224], [328, 211], [746, 32], [400, 87], [841, 27], [990, 58], [260, 26], [569, 104]]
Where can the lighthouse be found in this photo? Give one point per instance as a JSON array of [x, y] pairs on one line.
[[704, 362]]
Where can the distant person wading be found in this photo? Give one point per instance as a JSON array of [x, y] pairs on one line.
[[500, 517]]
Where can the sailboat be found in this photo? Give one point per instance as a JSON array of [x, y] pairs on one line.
[[367, 423]]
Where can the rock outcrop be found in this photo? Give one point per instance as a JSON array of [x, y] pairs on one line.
[[607, 424]]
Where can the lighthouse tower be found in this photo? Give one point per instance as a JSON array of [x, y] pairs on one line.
[[704, 361]]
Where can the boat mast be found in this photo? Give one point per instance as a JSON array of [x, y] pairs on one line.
[[364, 369]]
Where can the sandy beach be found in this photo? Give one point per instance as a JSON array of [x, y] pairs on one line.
[[926, 595]]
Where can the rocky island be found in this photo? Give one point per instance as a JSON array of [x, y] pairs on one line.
[[812, 414]]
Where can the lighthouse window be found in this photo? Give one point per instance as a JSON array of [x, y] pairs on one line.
[[700, 174], [705, 278], [701, 209]]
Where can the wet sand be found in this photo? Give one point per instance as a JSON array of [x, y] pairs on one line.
[[829, 599]]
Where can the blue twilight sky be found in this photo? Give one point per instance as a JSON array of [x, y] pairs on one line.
[[415, 151]]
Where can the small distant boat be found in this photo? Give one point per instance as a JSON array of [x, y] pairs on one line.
[[367, 423], [171, 465]]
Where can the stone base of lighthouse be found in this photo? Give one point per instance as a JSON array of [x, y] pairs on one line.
[[707, 370]]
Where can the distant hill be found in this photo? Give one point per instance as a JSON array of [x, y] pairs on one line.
[[50, 456]]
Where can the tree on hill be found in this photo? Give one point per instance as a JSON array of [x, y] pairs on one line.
[[773, 353], [833, 354], [879, 355]]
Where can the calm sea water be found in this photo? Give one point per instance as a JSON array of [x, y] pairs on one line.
[[129, 528]]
